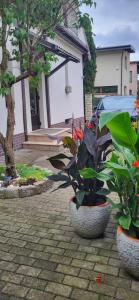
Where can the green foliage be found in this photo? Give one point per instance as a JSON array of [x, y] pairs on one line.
[[120, 128], [125, 181], [90, 65], [28, 172], [89, 152]]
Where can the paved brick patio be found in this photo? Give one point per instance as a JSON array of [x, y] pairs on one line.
[[42, 258]]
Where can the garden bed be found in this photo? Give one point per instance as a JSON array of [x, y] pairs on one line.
[[31, 180]]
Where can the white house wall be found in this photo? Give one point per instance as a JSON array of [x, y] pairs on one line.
[[63, 105], [17, 95], [109, 70]]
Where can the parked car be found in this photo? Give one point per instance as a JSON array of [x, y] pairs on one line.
[[117, 103]]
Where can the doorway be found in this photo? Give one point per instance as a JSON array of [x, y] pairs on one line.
[[35, 110]]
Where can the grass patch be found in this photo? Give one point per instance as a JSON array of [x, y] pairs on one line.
[[26, 172]]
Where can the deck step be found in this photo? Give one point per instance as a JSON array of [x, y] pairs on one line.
[[48, 146]]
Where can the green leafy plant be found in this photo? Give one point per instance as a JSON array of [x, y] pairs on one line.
[[28, 173], [122, 170], [89, 148]]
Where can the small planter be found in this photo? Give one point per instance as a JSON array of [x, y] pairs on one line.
[[89, 221], [128, 248]]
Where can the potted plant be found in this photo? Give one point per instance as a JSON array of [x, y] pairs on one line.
[[123, 169], [89, 211]]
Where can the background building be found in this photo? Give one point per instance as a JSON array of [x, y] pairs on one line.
[[113, 65], [133, 77]]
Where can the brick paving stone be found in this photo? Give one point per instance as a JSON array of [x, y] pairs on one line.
[[20, 251], [3, 239], [11, 277], [89, 274], [62, 298], [40, 254], [6, 256], [44, 264], [54, 250], [82, 264], [68, 270], [59, 289], [23, 260], [36, 295], [135, 286], [15, 290], [97, 258], [109, 253], [60, 259], [51, 276], [125, 294], [117, 281], [16, 242], [114, 262], [5, 247], [30, 238], [2, 284], [48, 242], [27, 270], [9, 266], [76, 282], [87, 249], [79, 294], [63, 238], [101, 244], [124, 274], [102, 288], [66, 245], [106, 269], [33, 282], [75, 254], [34, 246]]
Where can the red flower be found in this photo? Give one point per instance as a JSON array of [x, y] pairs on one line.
[[78, 135], [99, 279], [89, 125], [136, 164]]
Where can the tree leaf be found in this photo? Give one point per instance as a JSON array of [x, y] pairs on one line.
[[120, 128], [136, 223], [57, 164], [103, 192], [90, 141], [88, 173], [125, 221], [79, 197]]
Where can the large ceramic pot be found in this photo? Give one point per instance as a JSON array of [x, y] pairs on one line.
[[128, 248], [89, 221]]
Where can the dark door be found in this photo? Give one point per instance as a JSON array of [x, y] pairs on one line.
[[35, 112]]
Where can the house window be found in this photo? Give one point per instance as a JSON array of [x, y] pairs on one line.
[[130, 76], [126, 62], [113, 89], [130, 92], [125, 90]]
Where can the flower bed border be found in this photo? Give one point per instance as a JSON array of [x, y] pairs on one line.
[[25, 191]]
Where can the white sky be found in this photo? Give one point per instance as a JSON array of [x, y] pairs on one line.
[[116, 22]]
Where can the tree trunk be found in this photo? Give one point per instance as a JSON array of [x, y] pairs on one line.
[[8, 141]]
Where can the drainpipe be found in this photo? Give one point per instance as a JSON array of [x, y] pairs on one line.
[[48, 101], [122, 71]]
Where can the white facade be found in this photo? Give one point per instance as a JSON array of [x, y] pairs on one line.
[[112, 75], [62, 104]]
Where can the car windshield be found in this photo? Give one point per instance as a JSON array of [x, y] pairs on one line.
[[116, 103]]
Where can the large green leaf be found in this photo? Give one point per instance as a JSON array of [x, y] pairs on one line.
[[120, 128], [88, 173], [79, 197], [136, 223], [125, 221], [119, 170]]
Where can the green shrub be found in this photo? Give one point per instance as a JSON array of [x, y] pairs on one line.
[[26, 172]]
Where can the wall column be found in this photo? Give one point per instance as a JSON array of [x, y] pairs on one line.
[[88, 107]]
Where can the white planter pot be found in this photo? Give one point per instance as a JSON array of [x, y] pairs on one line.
[[89, 221], [128, 248]]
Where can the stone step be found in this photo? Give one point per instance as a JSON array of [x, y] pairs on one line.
[[48, 146]]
